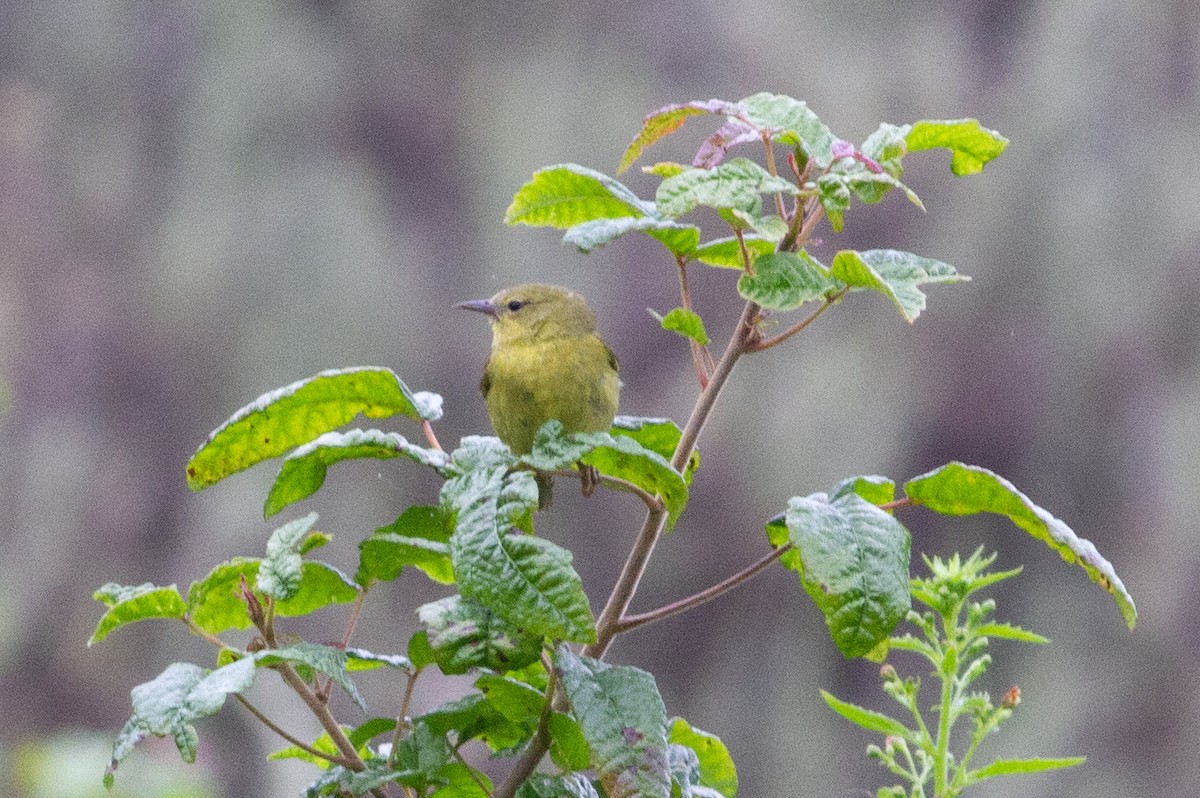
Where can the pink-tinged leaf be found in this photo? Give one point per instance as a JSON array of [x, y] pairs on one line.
[[728, 136], [666, 120]]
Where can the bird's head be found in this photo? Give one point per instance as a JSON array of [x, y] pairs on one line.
[[535, 311]]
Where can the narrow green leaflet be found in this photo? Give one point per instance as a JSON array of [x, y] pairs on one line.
[[895, 274], [280, 571], [625, 723], [1007, 631], [959, 489], [462, 782], [873, 488], [322, 659], [129, 604], [1008, 767], [971, 145], [359, 659], [527, 581], [726, 253], [667, 120], [792, 122], [213, 603], [283, 419], [303, 471], [565, 195], [716, 765], [685, 322], [570, 785], [658, 435], [853, 560], [419, 538], [168, 706], [737, 184], [785, 281], [568, 747], [464, 634], [868, 718], [679, 239], [514, 699]]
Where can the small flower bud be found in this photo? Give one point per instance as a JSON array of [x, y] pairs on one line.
[[1011, 698]]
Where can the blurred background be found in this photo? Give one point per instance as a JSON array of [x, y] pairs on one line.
[[203, 201]]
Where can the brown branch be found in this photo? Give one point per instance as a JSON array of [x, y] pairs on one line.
[[795, 328], [308, 749], [708, 594]]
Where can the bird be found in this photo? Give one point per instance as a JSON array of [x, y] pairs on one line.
[[547, 362]]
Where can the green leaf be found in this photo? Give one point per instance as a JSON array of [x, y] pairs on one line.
[[685, 322], [569, 785], [770, 227], [474, 717], [737, 184], [280, 571], [168, 705], [1007, 631], [303, 471], [419, 538], [527, 581], [792, 122], [462, 782], [726, 253], [359, 659], [853, 560], [568, 747], [785, 281], [959, 489], [464, 634], [971, 146], [665, 121], [623, 718], [323, 659], [716, 766], [419, 650], [658, 435], [679, 239], [1005, 767], [565, 195], [869, 719], [214, 606], [514, 699], [129, 604], [296, 414], [894, 274], [875, 489]]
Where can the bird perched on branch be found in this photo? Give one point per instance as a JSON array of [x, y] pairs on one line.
[[547, 362]]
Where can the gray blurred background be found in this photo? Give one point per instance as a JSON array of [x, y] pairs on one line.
[[203, 201]]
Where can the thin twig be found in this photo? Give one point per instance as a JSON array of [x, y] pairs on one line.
[[538, 745], [402, 718], [771, 168], [829, 302], [708, 594], [616, 483], [204, 633], [429, 436], [308, 749], [701, 357]]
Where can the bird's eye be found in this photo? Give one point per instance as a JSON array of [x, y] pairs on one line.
[[516, 305]]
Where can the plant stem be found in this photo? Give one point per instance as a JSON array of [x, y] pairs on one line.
[[708, 594], [264, 720], [402, 717], [795, 328]]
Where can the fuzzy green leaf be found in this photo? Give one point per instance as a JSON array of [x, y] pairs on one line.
[[624, 721], [679, 239], [283, 419], [894, 274], [565, 195], [419, 538], [726, 253], [658, 435], [792, 122], [716, 766], [527, 581], [785, 281], [875, 489], [685, 322], [280, 571], [1006, 767], [736, 184], [474, 717], [464, 634], [568, 785], [867, 718], [214, 606], [1007, 631], [971, 145], [568, 747], [960, 489], [303, 470], [853, 560], [129, 604]]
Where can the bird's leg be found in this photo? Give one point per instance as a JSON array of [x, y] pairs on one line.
[[590, 477]]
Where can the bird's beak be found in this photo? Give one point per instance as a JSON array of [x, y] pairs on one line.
[[482, 306]]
